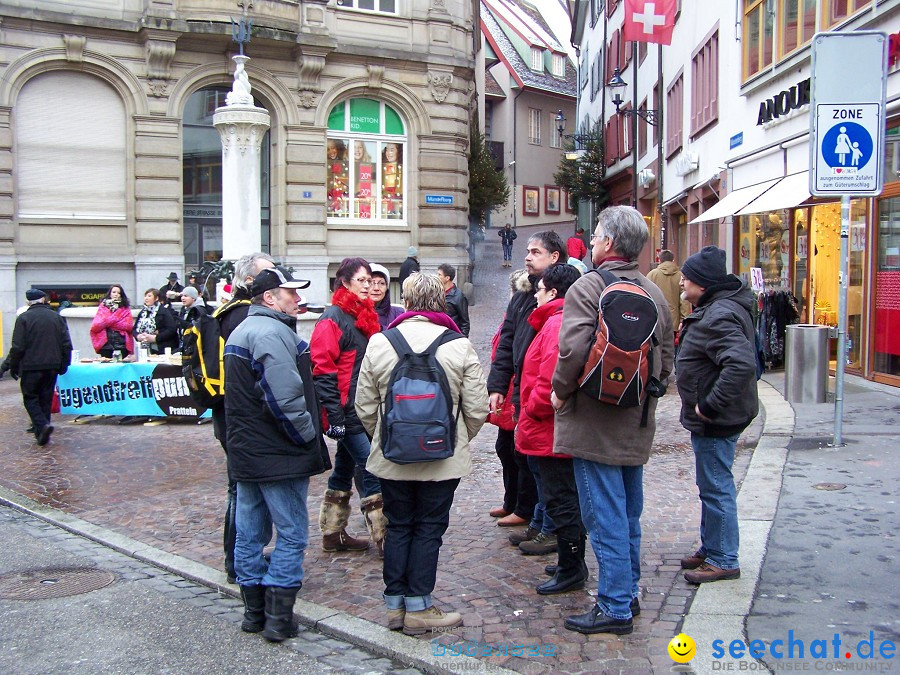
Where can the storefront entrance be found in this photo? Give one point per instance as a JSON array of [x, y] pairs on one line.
[[886, 322]]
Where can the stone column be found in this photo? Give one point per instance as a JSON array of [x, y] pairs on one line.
[[242, 126]]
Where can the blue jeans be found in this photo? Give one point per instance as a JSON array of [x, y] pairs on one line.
[[352, 451], [507, 251], [285, 502], [719, 535], [612, 498], [418, 513], [541, 520]]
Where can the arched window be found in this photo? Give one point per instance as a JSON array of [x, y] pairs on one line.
[[202, 179], [365, 161], [70, 159]]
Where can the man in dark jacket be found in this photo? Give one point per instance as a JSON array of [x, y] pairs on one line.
[[171, 292], [230, 315], [457, 305], [716, 368], [516, 334], [41, 349], [274, 445], [410, 265]]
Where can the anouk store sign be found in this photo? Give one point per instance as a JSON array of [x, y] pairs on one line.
[[783, 102]]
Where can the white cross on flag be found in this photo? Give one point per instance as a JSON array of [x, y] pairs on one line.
[[649, 20]]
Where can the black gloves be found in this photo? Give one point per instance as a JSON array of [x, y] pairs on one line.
[[336, 432]]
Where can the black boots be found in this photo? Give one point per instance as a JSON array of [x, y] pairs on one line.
[[254, 598], [571, 572], [595, 621], [279, 608]]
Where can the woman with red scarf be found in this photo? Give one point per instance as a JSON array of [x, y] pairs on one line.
[[337, 347]]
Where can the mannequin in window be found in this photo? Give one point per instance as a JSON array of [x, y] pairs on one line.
[[392, 180], [365, 179], [337, 176]]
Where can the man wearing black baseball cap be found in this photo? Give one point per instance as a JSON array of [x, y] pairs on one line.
[[274, 439], [716, 366], [41, 349]]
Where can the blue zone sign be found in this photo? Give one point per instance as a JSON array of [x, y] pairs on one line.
[[847, 136], [445, 200]]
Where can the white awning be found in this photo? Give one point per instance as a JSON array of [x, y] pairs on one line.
[[790, 191], [734, 201]]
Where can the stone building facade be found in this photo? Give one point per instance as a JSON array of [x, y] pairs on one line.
[[110, 169]]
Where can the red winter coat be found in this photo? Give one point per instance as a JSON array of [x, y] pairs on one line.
[[120, 320], [534, 435], [575, 247]]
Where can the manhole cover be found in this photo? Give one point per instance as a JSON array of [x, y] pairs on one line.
[[829, 486], [53, 582]]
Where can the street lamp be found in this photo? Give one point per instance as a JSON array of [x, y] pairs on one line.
[[615, 87], [578, 138]]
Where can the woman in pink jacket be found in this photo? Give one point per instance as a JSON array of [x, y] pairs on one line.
[[534, 435], [111, 328]]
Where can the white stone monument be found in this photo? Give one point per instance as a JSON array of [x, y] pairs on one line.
[[242, 126]]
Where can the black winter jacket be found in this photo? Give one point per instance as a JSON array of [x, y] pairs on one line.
[[166, 331], [273, 422], [716, 362], [516, 335], [40, 341], [458, 308], [407, 267]]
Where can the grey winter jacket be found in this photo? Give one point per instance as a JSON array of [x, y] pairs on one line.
[[716, 363]]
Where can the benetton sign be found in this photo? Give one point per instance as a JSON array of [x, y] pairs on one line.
[[783, 102]]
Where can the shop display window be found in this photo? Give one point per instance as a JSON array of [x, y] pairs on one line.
[[365, 162], [887, 289], [764, 242]]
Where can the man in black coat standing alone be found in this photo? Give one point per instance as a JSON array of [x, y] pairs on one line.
[[41, 349], [410, 265]]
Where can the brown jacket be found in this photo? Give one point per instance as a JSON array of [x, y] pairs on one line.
[[668, 277], [585, 427]]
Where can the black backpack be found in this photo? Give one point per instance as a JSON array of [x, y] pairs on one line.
[[417, 423], [203, 348]]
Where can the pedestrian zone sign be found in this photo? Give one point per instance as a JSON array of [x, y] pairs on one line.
[[848, 135]]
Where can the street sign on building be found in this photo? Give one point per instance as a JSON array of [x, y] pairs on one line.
[[847, 116]]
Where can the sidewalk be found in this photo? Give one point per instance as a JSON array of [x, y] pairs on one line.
[[158, 493]]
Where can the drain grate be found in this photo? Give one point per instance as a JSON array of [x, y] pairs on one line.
[[53, 582]]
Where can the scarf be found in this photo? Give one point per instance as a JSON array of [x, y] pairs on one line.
[[361, 310], [438, 318], [146, 321]]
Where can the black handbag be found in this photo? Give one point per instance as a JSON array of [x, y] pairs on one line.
[[114, 340]]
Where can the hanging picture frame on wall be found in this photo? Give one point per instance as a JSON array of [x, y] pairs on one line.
[[531, 201], [551, 199]]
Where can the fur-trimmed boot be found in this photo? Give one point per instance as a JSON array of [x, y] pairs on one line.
[[373, 509], [334, 515]]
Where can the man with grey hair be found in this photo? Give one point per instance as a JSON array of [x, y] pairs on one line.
[[41, 349], [609, 443], [230, 315]]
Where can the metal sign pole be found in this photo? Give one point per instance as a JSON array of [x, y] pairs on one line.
[[842, 352]]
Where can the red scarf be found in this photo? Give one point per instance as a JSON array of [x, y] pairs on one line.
[[362, 310]]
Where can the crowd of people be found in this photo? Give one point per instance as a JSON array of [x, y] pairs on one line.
[[572, 459]]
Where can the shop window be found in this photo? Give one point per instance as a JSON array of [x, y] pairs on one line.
[[764, 242], [796, 24], [365, 162], [201, 171], [70, 160], [705, 85], [758, 35], [887, 289], [838, 10]]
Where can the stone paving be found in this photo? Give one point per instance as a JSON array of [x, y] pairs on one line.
[[165, 486]]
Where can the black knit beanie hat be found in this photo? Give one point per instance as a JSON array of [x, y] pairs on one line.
[[706, 268]]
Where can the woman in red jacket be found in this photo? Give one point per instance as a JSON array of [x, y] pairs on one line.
[[337, 347], [535, 431]]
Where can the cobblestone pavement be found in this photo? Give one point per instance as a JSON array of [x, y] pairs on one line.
[[146, 621], [165, 486]]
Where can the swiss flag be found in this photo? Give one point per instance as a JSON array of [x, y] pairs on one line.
[[649, 20]]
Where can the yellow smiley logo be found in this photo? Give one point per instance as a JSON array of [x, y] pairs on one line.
[[682, 648]]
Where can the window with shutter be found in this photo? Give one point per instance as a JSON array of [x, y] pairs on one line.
[[705, 85], [71, 156], [674, 116]]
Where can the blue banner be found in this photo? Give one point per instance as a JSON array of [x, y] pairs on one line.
[[150, 389]]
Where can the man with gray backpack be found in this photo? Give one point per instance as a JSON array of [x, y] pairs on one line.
[[422, 396]]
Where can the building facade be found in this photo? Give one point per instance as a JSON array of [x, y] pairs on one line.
[[735, 143], [111, 168]]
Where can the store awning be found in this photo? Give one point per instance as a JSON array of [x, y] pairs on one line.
[[789, 192], [734, 201]]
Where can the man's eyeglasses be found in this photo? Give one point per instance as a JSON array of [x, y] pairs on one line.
[[599, 236], [365, 281]]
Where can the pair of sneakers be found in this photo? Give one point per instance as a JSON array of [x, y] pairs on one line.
[[531, 541], [419, 623]]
